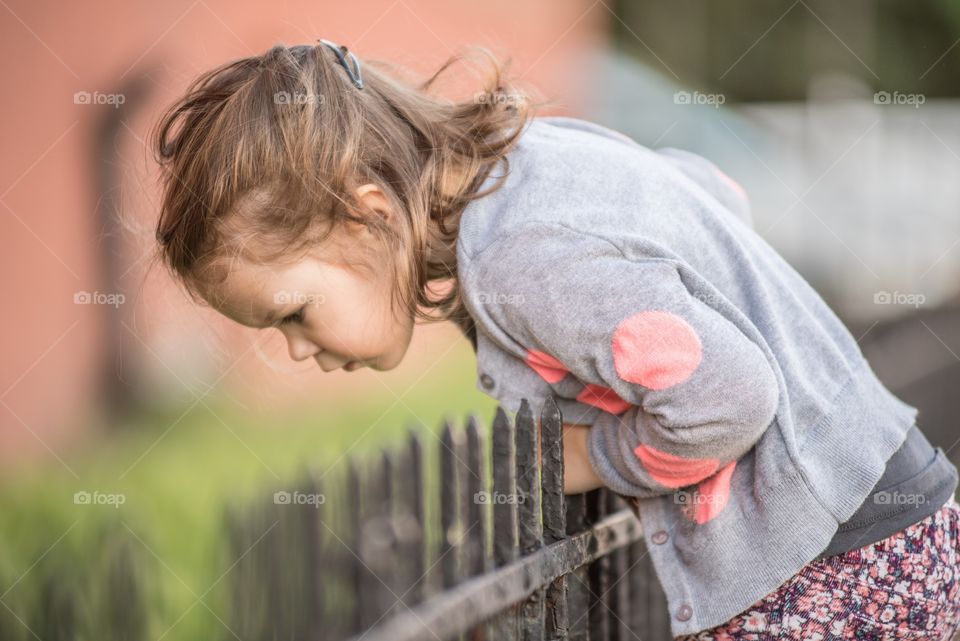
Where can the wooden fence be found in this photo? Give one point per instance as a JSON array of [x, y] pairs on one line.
[[406, 546], [415, 546]]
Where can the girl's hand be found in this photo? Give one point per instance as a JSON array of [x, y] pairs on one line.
[[578, 474]]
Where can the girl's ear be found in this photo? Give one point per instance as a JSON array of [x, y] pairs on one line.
[[374, 198]]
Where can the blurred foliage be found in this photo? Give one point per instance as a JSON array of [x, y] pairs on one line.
[[769, 51], [156, 566]]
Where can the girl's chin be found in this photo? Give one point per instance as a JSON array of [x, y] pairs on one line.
[[372, 363], [382, 362]]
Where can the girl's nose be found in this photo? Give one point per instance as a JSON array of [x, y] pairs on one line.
[[300, 349]]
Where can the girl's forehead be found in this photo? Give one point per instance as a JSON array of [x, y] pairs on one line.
[[239, 297], [245, 283]]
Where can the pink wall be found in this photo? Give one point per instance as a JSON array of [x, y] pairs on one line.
[[49, 196]]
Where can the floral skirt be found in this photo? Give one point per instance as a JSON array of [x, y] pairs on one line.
[[904, 587]]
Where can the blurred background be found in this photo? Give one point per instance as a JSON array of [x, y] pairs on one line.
[[129, 416]]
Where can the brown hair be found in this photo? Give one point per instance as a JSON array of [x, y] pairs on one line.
[[281, 141]]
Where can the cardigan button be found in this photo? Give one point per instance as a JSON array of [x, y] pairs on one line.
[[486, 381], [659, 537], [684, 612]]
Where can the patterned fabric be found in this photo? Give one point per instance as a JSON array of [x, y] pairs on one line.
[[903, 587]]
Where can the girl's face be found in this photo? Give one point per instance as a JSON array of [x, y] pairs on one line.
[[325, 310]]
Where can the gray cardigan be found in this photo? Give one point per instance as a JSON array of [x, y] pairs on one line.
[[722, 391]]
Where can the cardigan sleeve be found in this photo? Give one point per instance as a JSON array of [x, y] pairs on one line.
[[687, 391]]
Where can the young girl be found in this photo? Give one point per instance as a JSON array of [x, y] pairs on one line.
[[699, 375]]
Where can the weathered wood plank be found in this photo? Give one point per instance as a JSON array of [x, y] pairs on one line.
[[554, 513], [530, 524]]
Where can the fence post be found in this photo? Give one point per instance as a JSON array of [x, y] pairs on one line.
[[478, 559], [410, 497], [554, 512], [314, 560], [578, 594], [360, 577], [394, 532], [450, 521], [531, 528], [505, 512]]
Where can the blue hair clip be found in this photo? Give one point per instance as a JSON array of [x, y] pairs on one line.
[[340, 51]]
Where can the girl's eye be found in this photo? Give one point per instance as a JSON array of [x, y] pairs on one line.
[[293, 318]]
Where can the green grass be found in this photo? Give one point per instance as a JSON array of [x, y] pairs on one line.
[[176, 482]]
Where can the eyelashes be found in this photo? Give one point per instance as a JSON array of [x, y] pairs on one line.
[[296, 317]]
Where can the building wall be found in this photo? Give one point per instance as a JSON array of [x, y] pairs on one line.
[[79, 200]]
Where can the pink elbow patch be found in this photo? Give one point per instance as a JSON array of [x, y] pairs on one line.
[[656, 349], [604, 398], [671, 470], [550, 369], [713, 494]]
